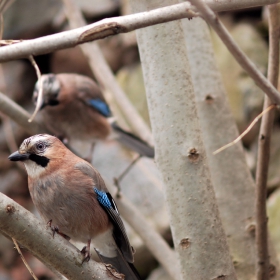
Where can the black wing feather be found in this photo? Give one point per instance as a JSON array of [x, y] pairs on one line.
[[119, 232]]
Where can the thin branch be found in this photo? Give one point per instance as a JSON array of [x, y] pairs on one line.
[[262, 260], [9, 135], [7, 127], [113, 26], [23, 259], [40, 93], [19, 115], [10, 138], [266, 110], [20, 224], [105, 76], [4, 5], [55, 272], [238, 54]]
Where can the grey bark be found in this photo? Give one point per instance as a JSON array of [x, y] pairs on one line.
[[113, 26], [234, 185], [17, 222], [197, 231]]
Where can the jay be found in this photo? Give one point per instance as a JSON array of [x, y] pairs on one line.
[[73, 107], [71, 194]]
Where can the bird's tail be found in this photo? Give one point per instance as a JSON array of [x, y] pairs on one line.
[[121, 265], [133, 142]]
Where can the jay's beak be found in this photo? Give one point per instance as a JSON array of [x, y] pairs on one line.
[[16, 156]]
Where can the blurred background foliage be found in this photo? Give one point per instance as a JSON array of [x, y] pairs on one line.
[[26, 19]]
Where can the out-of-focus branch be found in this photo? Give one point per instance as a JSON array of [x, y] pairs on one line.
[[151, 238], [112, 26], [238, 54], [10, 138], [19, 115], [17, 222], [24, 261], [105, 76], [262, 260], [4, 5]]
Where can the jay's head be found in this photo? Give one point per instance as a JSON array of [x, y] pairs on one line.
[[51, 88], [37, 151]]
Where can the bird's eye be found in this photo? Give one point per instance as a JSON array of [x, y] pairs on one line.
[[40, 146]]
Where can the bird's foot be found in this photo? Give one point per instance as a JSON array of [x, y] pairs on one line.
[[55, 229], [86, 252]]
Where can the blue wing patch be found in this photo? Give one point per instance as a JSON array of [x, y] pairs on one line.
[[100, 106], [103, 198]]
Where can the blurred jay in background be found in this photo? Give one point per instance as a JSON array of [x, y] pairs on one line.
[[70, 194], [73, 107]]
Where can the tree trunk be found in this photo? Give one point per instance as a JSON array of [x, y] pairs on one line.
[[197, 231]]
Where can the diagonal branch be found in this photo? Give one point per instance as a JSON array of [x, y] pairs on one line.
[[20, 224], [113, 26], [19, 115], [95, 31], [238, 54], [262, 261]]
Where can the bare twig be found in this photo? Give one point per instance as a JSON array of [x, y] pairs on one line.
[[112, 26], [40, 93], [105, 76], [23, 259], [118, 179], [262, 260], [238, 54], [51, 268], [266, 110], [4, 5]]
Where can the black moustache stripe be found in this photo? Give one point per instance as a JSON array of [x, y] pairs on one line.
[[53, 102], [40, 160]]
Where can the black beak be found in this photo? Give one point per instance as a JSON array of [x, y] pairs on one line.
[[16, 156]]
